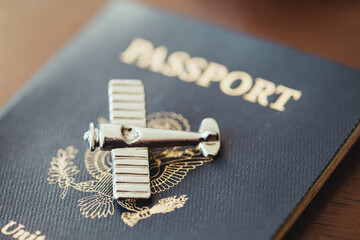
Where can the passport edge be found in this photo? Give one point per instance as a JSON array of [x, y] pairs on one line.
[[351, 139]]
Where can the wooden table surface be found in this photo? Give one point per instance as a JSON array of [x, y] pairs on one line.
[[31, 31]]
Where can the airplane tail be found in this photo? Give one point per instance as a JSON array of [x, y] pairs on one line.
[[210, 148]]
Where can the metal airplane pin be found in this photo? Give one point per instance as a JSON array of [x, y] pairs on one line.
[[128, 139]]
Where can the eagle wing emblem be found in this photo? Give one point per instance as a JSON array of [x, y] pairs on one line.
[[97, 163], [169, 167]]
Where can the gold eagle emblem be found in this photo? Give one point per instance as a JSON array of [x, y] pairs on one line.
[[168, 167]]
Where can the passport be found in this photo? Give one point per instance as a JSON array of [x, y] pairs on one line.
[[286, 120]]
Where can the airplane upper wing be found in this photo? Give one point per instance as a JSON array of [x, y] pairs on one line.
[[131, 177]]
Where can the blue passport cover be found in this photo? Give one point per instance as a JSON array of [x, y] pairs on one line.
[[286, 120]]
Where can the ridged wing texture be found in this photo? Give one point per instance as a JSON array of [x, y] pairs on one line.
[[131, 177]]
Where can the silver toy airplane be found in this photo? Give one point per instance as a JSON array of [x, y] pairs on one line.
[[128, 139]]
